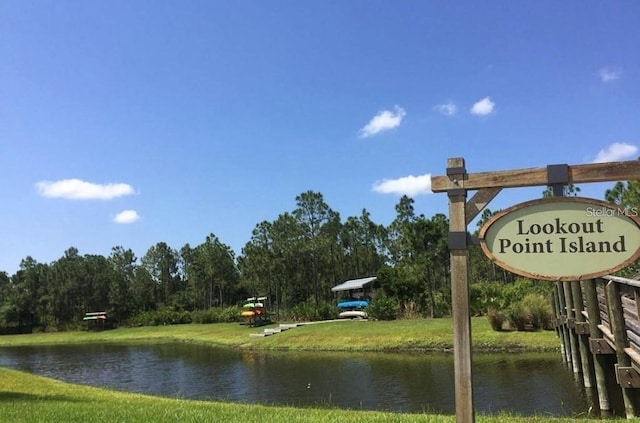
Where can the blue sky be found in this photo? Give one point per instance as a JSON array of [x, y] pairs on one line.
[[134, 122]]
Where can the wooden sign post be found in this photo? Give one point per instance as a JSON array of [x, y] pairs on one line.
[[456, 183]]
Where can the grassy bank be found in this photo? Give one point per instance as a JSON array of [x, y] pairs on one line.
[[28, 398], [399, 335]]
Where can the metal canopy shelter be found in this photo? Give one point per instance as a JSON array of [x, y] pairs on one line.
[[354, 284]]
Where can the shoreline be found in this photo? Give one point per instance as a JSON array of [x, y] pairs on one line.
[[417, 335], [52, 400]]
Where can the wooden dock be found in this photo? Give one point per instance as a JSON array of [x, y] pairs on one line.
[[598, 323]]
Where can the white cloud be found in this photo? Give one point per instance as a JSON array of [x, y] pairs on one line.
[[126, 216], [447, 109], [409, 185], [483, 107], [609, 74], [616, 152], [76, 189], [383, 121]]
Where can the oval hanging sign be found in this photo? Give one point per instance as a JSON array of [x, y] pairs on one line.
[[563, 238]]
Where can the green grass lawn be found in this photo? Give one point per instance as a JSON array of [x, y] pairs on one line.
[[398, 335], [28, 398]]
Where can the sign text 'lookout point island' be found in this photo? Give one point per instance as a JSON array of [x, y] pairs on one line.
[[566, 238]]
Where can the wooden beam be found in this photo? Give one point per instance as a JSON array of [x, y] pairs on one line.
[[593, 172], [624, 281], [479, 201]]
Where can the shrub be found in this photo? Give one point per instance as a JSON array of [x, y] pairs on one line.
[[442, 304], [303, 312], [522, 287], [327, 311], [539, 307], [408, 310], [383, 308], [496, 318], [533, 312], [519, 316], [506, 297], [229, 314], [217, 315], [307, 311], [524, 304], [162, 316], [484, 296], [205, 316]]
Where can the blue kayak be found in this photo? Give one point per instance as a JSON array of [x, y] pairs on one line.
[[353, 304]]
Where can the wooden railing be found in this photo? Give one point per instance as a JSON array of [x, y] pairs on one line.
[[598, 324]]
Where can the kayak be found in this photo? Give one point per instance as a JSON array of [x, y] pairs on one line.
[[353, 304], [353, 314], [253, 305]]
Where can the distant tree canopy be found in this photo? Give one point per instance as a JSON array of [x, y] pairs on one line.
[[625, 194], [567, 191], [296, 258]]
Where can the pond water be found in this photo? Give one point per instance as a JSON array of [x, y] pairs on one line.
[[523, 383]]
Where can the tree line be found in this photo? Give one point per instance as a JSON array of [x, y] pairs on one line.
[[293, 259]]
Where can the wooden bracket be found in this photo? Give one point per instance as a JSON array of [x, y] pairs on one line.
[[627, 377], [458, 240], [582, 328], [600, 346], [458, 170], [557, 178], [479, 201], [454, 192], [571, 323]]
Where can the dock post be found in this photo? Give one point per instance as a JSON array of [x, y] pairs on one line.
[[555, 305], [616, 318], [599, 365], [582, 333], [573, 338], [564, 327]]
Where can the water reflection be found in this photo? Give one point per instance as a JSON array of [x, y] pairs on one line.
[[526, 384]]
